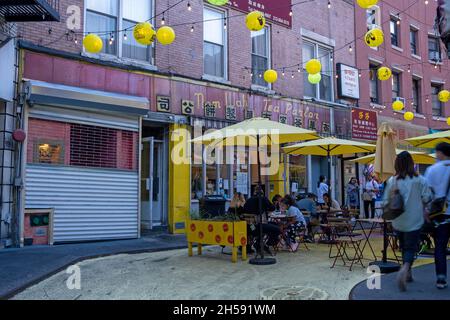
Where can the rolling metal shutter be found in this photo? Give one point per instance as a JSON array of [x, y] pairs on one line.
[[90, 204]]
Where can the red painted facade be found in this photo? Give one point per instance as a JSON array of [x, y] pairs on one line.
[[419, 17]]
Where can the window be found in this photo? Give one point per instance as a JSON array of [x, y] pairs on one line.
[[298, 174], [437, 105], [373, 84], [71, 144], [434, 49], [373, 17], [214, 41], [416, 95], [119, 15], [324, 90], [260, 55], [396, 85], [395, 34], [413, 33]]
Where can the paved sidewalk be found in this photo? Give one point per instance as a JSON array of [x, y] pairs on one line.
[[423, 287], [23, 267]]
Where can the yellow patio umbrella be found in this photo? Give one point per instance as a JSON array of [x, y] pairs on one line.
[[386, 152], [328, 147], [430, 140], [256, 132], [418, 157]]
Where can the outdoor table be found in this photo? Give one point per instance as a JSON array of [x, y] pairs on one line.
[[373, 225]]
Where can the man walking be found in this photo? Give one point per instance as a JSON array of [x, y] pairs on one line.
[[438, 177]]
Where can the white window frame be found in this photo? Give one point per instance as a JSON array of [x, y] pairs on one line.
[[316, 55], [119, 40], [269, 58], [225, 48]]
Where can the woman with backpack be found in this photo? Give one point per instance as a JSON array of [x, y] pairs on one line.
[[412, 189]]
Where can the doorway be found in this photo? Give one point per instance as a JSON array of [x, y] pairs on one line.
[[154, 174]]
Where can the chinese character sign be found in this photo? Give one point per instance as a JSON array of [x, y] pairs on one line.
[[276, 11], [364, 124]]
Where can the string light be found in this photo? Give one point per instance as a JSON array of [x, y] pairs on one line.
[[125, 37], [350, 49], [163, 20], [192, 28], [329, 4], [225, 23], [189, 7], [290, 12]]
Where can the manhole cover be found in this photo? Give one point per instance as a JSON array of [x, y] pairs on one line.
[[294, 293]]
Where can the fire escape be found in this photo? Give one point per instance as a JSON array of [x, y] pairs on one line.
[[29, 10]]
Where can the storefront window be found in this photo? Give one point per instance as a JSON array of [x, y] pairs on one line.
[[49, 152], [298, 175]]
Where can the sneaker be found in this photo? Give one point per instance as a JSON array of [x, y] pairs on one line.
[[441, 284]]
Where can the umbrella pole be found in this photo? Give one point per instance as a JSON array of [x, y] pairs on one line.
[[260, 260]]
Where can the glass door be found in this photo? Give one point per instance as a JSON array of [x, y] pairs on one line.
[[152, 183]]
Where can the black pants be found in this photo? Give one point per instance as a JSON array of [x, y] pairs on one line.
[[366, 209], [441, 237], [271, 230]]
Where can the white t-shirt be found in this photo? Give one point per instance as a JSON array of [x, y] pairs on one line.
[[321, 190], [371, 186], [438, 176]]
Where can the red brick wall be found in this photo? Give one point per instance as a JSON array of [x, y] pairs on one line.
[[48, 130], [419, 15], [185, 55]]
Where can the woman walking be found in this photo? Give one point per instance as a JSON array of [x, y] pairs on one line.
[[416, 194], [353, 194]]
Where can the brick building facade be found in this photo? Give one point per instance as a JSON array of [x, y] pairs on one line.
[[417, 58], [213, 69]]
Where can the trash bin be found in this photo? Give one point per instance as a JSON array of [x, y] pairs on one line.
[[213, 205]]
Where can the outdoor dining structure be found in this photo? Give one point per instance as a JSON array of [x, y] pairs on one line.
[[273, 137], [257, 132]]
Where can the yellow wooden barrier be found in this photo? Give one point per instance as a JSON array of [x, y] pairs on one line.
[[223, 233]]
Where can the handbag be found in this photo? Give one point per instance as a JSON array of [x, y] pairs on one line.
[[367, 196], [395, 205], [438, 207]]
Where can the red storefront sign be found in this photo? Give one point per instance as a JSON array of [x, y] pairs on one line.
[[364, 124], [275, 11]]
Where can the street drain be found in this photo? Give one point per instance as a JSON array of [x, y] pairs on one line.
[[294, 293]]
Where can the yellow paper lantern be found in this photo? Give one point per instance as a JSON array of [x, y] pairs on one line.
[[384, 73], [409, 116], [93, 43], [255, 21], [448, 121], [398, 105], [444, 96], [366, 4], [314, 78], [374, 37], [270, 76], [165, 35], [313, 66], [144, 33]]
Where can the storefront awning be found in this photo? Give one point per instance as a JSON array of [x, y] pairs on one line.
[[39, 92]]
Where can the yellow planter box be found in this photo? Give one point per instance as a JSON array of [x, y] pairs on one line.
[[223, 233]]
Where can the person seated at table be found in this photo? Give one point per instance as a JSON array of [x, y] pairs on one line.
[[271, 230], [276, 201], [294, 226], [237, 204], [308, 204], [331, 204]]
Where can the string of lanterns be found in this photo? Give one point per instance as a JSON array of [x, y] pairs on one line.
[[145, 34]]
